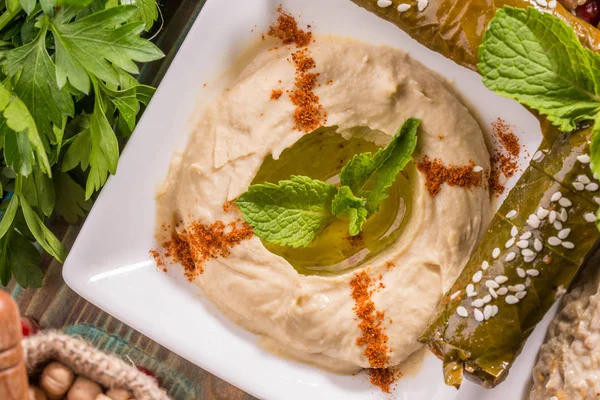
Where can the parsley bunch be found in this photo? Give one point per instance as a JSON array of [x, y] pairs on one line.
[[66, 95], [296, 211]]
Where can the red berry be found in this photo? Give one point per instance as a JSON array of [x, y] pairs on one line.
[[147, 372], [589, 12], [29, 326]]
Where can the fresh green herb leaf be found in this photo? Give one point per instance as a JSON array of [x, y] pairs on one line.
[[9, 215], [71, 204], [104, 155], [28, 5], [24, 258], [5, 271], [91, 44], [38, 190], [345, 203], [42, 234], [36, 85], [147, 11], [78, 152], [17, 152], [292, 213], [536, 59], [370, 176]]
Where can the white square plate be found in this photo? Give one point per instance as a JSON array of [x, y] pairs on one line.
[[110, 266]]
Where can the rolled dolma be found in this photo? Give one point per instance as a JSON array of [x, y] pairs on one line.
[[529, 253], [455, 28]]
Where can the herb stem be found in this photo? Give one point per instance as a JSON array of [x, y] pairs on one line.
[[7, 16]]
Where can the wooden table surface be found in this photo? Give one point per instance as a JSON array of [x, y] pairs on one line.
[[56, 306]]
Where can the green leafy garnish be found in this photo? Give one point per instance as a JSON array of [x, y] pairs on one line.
[[66, 96], [370, 176], [292, 213], [296, 211], [537, 59]]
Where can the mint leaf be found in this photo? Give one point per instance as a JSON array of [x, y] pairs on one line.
[[92, 45], [9, 215], [370, 176], [36, 85], [345, 203], [71, 204], [536, 59], [42, 234], [292, 213]]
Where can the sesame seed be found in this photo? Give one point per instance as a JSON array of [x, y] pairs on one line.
[[511, 214], [564, 233], [538, 245], [488, 311], [496, 309], [556, 196], [591, 187], [496, 252], [478, 315], [533, 272], [462, 312], [519, 287], [470, 288], [568, 245], [554, 241], [597, 199], [477, 168], [492, 284], [501, 279], [583, 179], [485, 265], [529, 259], [455, 295], [477, 303], [552, 216], [525, 236], [538, 156], [510, 299], [542, 213], [521, 272], [584, 159], [522, 244], [589, 217], [487, 298], [542, 3], [527, 253], [521, 294], [533, 221], [514, 231], [471, 294], [502, 291], [403, 7], [493, 293], [565, 202], [422, 4], [384, 3], [558, 225], [564, 216], [509, 243], [552, 4], [578, 186], [510, 256], [477, 276], [513, 288]]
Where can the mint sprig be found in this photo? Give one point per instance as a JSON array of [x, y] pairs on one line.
[[537, 59], [296, 211]]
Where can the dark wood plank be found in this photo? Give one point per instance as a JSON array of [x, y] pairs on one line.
[[56, 306]]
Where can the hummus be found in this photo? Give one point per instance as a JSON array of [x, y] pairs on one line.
[[311, 317]]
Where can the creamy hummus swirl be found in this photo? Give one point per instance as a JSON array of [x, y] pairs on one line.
[[312, 317]]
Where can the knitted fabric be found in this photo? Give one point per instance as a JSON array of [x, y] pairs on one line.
[[84, 359]]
